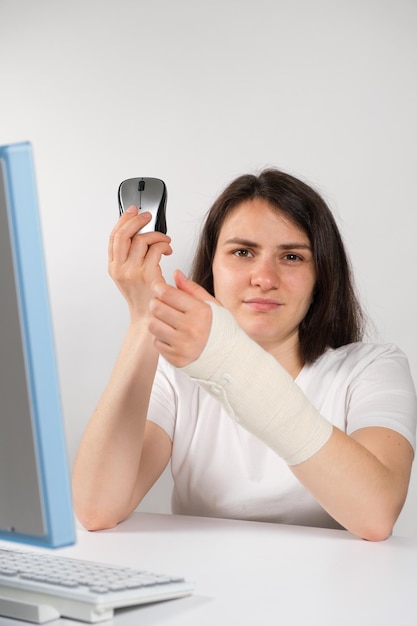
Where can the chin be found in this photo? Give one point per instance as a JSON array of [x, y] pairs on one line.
[[260, 335]]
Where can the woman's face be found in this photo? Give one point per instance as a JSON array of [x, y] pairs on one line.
[[264, 274]]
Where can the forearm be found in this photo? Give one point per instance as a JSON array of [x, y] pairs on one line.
[[257, 392], [106, 468], [354, 485], [356, 481]]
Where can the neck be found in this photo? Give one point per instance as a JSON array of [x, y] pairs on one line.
[[292, 365]]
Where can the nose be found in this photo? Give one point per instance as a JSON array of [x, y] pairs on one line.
[[265, 275]]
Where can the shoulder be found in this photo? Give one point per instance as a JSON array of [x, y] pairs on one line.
[[358, 366], [357, 357], [363, 384], [362, 350]]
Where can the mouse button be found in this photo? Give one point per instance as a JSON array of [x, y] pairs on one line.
[[128, 194], [154, 190]]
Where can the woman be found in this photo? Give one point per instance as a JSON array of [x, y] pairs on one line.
[[265, 399]]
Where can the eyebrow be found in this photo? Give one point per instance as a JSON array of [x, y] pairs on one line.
[[247, 243]]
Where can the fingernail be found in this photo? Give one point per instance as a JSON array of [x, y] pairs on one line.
[[131, 209]]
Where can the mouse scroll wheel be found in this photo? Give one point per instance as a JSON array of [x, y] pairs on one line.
[[141, 186]]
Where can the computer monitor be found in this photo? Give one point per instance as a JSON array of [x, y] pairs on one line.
[[35, 497]]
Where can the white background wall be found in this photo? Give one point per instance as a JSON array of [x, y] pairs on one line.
[[196, 93]]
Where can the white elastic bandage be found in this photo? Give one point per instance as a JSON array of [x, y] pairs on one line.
[[257, 391]]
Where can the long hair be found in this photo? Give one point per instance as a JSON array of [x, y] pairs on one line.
[[335, 317]]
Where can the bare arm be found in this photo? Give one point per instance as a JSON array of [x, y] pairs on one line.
[[361, 480], [113, 469]]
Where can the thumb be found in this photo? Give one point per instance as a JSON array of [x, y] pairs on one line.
[[189, 286]]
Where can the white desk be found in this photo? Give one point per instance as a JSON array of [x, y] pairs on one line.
[[256, 574]]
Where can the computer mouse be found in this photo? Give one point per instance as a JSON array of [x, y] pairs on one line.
[[148, 194]]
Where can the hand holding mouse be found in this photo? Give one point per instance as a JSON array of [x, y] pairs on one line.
[[134, 258]]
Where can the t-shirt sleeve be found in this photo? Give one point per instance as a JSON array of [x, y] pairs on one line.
[[163, 401], [383, 394]]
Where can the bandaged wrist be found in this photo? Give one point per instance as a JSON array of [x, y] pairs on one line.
[[257, 391]]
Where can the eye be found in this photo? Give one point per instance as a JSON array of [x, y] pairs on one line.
[[243, 253], [291, 257]]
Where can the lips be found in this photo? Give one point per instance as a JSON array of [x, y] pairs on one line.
[[263, 304]]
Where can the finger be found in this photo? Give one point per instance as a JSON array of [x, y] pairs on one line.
[[164, 320], [127, 241], [147, 241], [152, 255], [189, 286], [131, 218], [125, 229], [179, 337], [173, 297], [167, 315]]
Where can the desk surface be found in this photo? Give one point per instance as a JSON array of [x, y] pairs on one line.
[[250, 573]]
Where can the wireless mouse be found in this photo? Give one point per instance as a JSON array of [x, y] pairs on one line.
[[148, 194]]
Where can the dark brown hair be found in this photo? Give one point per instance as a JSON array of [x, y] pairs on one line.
[[335, 317]]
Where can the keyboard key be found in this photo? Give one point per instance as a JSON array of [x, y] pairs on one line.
[[80, 589]]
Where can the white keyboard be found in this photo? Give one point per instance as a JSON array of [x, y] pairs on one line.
[[39, 587]]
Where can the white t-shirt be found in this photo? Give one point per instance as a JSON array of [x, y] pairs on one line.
[[222, 470]]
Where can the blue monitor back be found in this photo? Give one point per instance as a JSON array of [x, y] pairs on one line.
[[35, 497]]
